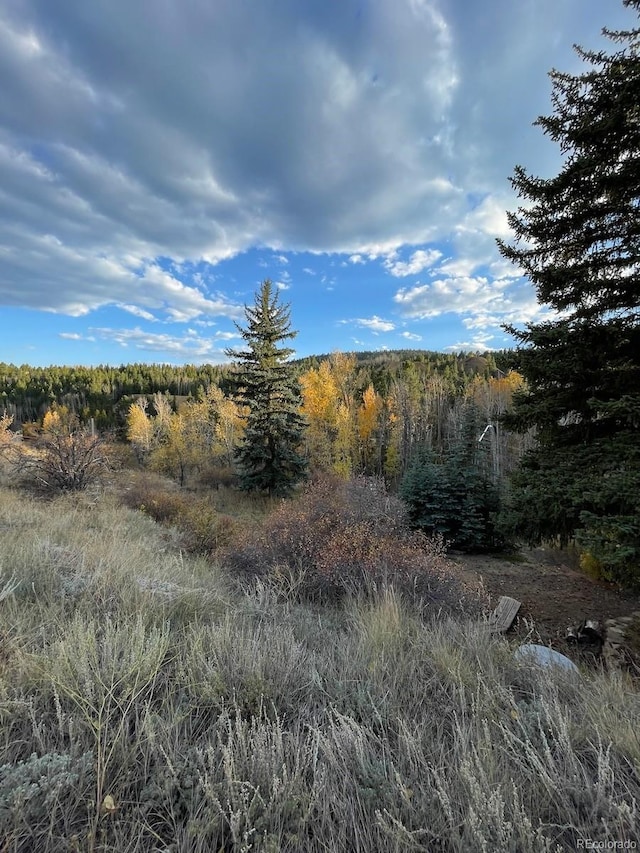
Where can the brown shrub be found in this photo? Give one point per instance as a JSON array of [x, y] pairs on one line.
[[214, 476], [204, 529], [65, 460], [339, 537], [153, 495]]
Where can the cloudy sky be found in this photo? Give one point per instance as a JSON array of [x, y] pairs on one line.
[[159, 158]]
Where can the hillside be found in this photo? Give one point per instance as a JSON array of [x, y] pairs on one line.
[[153, 699]]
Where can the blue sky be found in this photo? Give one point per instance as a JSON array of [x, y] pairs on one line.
[[158, 160]]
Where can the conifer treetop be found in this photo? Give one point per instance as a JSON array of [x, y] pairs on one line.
[[268, 321]]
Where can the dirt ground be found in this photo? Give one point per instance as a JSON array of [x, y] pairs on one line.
[[553, 594]]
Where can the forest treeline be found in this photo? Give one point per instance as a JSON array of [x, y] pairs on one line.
[[105, 392], [365, 413], [351, 428]]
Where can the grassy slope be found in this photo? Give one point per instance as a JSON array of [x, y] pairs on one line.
[[146, 707]]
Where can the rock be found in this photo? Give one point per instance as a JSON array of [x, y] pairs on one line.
[[591, 632], [588, 631], [544, 656], [616, 635], [572, 634]]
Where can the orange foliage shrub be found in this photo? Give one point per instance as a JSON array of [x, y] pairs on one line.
[[346, 536]]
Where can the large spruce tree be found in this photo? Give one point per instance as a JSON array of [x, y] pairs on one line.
[[268, 458], [577, 238]]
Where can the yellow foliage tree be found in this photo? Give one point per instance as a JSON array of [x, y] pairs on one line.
[[328, 406], [6, 435], [343, 366], [216, 425], [344, 442], [178, 454], [392, 466], [232, 421], [203, 433], [58, 420], [321, 397], [495, 395], [368, 426], [140, 428]]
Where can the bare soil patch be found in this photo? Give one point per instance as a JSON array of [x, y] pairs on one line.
[[554, 595]]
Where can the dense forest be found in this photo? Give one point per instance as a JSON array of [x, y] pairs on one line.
[[105, 392], [366, 413], [27, 393]]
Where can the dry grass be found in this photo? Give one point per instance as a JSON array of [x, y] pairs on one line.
[[144, 708]]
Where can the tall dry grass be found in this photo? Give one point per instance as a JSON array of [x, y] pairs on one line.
[[146, 706]]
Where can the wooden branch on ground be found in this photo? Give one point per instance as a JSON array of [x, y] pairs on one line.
[[502, 617]]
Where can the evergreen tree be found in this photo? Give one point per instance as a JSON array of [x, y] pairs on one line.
[[269, 458], [454, 495], [578, 240]]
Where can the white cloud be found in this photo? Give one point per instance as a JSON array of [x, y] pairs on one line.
[[489, 217], [282, 285], [481, 342], [420, 260], [137, 311], [481, 302], [376, 324], [135, 132], [70, 336], [188, 347], [111, 149], [445, 295], [226, 336], [410, 336]]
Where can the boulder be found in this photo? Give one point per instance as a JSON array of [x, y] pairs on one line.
[[544, 656]]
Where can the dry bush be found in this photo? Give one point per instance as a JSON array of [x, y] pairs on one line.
[[342, 537], [155, 496], [121, 456], [60, 461], [204, 529], [215, 476]]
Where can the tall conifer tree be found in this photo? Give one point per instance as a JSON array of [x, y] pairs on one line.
[[269, 458], [578, 240]]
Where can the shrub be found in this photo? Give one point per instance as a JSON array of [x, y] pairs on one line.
[[592, 567], [613, 544], [63, 461], [204, 529], [43, 791], [344, 537], [214, 476]]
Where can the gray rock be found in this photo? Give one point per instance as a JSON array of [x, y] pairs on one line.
[[544, 656]]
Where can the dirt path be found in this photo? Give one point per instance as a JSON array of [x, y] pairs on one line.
[[553, 594]]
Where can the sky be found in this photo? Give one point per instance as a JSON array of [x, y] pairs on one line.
[[160, 158]]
